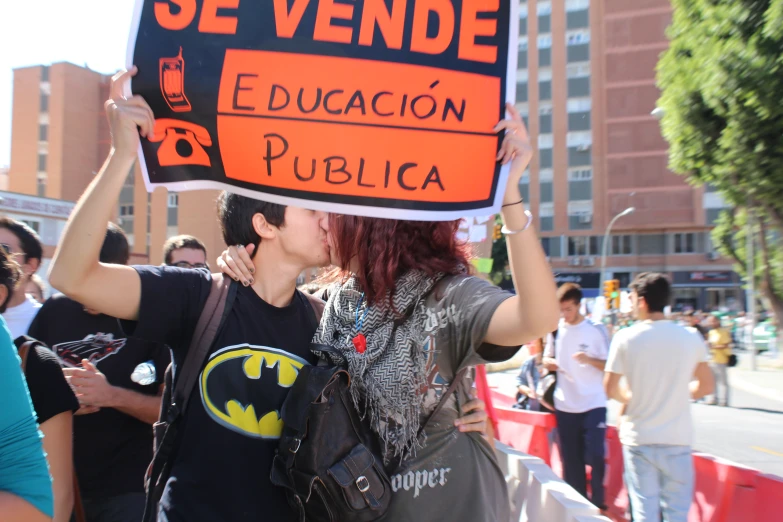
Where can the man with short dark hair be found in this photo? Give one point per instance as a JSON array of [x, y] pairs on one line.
[[22, 244], [112, 433], [578, 353], [185, 251], [665, 367]]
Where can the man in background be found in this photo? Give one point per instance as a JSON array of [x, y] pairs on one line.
[[185, 252], [719, 340], [665, 367], [578, 354], [22, 245]]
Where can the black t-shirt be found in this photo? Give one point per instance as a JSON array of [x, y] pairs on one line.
[[111, 449], [49, 391], [231, 427]]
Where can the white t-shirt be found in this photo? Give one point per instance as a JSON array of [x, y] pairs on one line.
[[19, 317], [658, 359], [580, 387]]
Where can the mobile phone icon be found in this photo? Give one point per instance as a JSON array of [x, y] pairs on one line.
[[172, 83]]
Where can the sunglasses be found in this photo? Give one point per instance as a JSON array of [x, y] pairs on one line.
[[185, 264]]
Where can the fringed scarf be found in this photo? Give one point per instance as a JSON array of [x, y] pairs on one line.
[[387, 380]]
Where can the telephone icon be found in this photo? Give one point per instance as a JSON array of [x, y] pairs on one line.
[[172, 83], [182, 143]]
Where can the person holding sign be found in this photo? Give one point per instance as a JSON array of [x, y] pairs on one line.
[[230, 427], [407, 318]]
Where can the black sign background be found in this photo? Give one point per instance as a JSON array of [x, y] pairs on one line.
[[204, 54]]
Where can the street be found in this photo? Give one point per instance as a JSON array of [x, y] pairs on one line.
[[750, 432]]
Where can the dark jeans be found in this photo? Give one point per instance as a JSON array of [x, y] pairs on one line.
[[582, 438], [128, 507]]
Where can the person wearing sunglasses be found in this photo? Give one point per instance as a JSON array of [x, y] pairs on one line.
[[22, 245], [185, 252]]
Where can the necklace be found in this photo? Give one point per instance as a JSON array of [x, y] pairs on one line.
[[360, 341]]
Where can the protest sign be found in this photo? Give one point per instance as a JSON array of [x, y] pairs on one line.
[[367, 107]]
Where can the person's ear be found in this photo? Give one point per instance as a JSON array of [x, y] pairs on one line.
[[32, 266], [263, 228]]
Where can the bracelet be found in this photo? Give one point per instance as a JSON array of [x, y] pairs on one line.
[[506, 232], [512, 204]]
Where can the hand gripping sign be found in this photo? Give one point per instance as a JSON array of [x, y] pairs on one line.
[[367, 107]]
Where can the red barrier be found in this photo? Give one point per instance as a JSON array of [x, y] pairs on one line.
[[526, 431], [723, 492], [769, 495]]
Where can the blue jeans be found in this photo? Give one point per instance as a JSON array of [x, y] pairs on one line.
[[659, 478]]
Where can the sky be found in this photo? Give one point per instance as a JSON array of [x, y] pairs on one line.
[[35, 32]]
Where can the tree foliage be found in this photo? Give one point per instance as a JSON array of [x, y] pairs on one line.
[[722, 83]]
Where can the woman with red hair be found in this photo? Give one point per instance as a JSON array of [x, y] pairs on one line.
[[407, 318]]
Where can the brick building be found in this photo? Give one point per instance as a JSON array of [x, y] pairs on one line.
[[586, 84]]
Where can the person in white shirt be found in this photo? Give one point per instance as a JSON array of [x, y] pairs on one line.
[[22, 245], [577, 351], [665, 366]]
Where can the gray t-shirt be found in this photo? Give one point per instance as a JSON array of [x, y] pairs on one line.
[[455, 477]]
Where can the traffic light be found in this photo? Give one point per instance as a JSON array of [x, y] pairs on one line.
[[608, 294], [496, 234], [612, 294]]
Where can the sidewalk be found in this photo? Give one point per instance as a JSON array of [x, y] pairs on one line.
[[766, 381]]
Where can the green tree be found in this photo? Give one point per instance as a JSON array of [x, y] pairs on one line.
[[722, 82]]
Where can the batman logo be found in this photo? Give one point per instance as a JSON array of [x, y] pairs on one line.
[[243, 388]]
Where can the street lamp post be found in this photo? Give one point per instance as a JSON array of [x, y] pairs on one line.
[[629, 210]]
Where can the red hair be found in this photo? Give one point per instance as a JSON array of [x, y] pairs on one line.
[[386, 249]]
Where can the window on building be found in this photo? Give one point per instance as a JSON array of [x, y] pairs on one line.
[[521, 92], [545, 189], [522, 59], [41, 188], [545, 158], [44, 102], [43, 132], [579, 121], [712, 215], [579, 87], [551, 246], [544, 57], [578, 19], [578, 246], [581, 190], [652, 244], [126, 210], [580, 221], [622, 245], [596, 244], [42, 162], [545, 123], [547, 224], [685, 243], [545, 90], [578, 53], [45, 73], [173, 200], [544, 23], [580, 155]]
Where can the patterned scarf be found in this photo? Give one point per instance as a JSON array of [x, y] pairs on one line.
[[387, 380]]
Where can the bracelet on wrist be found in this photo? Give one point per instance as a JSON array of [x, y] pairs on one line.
[[508, 232], [512, 204]]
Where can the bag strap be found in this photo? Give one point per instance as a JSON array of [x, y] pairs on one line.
[[23, 346], [206, 330], [212, 317], [451, 389]]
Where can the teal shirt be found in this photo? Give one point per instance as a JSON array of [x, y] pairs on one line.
[[24, 471]]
